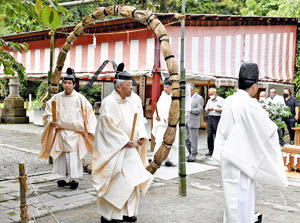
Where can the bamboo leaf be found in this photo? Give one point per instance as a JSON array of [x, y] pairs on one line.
[[56, 20], [38, 7], [17, 28], [51, 16], [45, 15]]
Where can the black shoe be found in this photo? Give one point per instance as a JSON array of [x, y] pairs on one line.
[[282, 143], [74, 184], [104, 220], [208, 154], [190, 160], [259, 217], [168, 163], [292, 142], [129, 219], [62, 183]]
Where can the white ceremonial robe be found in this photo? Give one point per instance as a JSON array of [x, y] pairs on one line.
[[138, 101], [159, 127], [74, 136], [118, 173], [247, 147]]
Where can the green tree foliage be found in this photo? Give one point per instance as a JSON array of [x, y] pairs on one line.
[[28, 87], [92, 94], [224, 7], [284, 8], [19, 16]]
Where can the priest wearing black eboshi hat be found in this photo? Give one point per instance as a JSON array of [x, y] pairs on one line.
[[119, 154], [247, 148], [71, 136]]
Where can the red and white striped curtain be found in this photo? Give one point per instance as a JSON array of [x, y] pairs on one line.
[[211, 51]]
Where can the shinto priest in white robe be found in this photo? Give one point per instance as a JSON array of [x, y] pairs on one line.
[[159, 127], [74, 135], [118, 173], [247, 147]]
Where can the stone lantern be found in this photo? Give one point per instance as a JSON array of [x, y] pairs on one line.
[[14, 111]]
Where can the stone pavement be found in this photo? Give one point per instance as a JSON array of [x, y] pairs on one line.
[[203, 203]]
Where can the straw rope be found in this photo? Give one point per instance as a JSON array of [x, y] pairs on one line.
[[147, 18]]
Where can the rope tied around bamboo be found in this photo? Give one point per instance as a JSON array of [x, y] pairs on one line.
[[147, 18], [23, 181]]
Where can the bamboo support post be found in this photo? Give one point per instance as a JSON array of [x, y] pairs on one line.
[[182, 167], [23, 196]]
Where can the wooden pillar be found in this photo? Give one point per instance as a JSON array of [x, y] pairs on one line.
[[156, 75]]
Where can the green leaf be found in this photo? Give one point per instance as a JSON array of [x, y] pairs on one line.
[[51, 16], [45, 15], [25, 46], [38, 6], [17, 28], [56, 20]]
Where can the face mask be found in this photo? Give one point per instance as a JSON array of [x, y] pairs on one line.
[[212, 97], [272, 96], [285, 95]]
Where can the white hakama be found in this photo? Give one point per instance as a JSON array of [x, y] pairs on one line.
[[240, 186], [68, 164]]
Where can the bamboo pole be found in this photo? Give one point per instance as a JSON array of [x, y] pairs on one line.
[[77, 3], [52, 33], [182, 167], [23, 196], [50, 72]]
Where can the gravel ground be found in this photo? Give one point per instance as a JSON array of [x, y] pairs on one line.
[[10, 158]]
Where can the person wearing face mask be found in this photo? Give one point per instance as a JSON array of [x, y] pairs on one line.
[[277, 99], [274, 98], [292, 103], [247, 148], [214, 109]]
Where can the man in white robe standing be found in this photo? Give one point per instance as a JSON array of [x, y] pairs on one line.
[[118, 172], [247, 147], [69, 138], [160, 123]]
